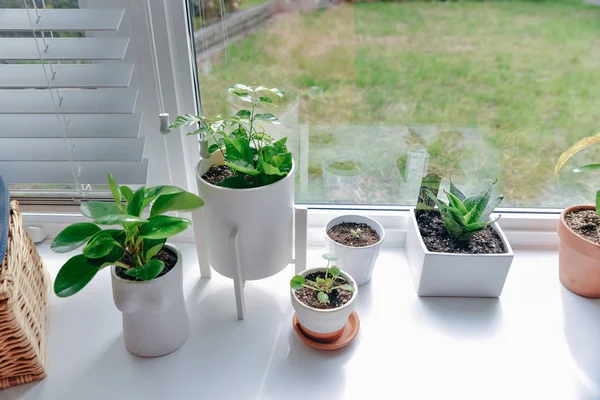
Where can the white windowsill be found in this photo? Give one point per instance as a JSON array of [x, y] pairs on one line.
[[537, 341]]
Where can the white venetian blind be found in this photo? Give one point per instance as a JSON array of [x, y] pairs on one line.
[[67, 111]]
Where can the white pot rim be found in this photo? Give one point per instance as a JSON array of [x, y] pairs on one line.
[[371, 220], [226, 189], [127, 282], [332, 310], [495, 225]]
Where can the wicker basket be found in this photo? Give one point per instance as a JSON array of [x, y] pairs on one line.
[[24, 287]]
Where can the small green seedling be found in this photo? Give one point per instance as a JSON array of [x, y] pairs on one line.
[[463, 216], [355, 233], [324, 286]]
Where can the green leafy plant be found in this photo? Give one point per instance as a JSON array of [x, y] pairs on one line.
[[576, 148], [355, 233], [333, 280], [132, 247], [463, 216], [255, 157]]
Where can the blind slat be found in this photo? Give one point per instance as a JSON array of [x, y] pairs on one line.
[[24, 76], [61, 172], [79, 126], [72, 149], [64, 49], [12, 19], [99, 101]]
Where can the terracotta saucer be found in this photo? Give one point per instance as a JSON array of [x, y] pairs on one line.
[[349, 332]]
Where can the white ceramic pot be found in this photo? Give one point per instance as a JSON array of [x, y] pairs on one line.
[[342, 185], [263, 217], [457, 275], [357, 261], [155, 320], [324, 321]]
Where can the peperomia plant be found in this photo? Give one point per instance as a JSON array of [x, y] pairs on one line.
[[134, 246], [255, 157], [462, 215], [576, 148], [333, 280]]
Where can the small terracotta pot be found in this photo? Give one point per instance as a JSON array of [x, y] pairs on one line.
[[579, 259]]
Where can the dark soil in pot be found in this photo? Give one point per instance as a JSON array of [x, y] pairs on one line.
[[585, 223], [166, 255], [217, 174], [343, 234], [436, 237], [337, 297]]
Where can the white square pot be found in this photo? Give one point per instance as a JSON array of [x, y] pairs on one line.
[[456, 275]]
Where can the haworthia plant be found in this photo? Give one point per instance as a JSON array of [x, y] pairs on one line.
[[462, 215], [134, 246]]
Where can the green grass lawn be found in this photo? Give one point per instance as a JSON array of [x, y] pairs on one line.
[[495, 88]]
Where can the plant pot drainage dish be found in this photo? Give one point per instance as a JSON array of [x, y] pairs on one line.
[[324, 302], [456, 250], [579, 233], [355, 240], [247, 181], [147, 274]]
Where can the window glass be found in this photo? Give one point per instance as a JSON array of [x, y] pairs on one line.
[[380, 92]]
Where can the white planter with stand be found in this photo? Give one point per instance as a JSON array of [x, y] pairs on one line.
[[357, 261], [324, 321], [456, 275], [155, 320]]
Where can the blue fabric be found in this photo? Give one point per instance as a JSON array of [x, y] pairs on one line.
[[4, 218]]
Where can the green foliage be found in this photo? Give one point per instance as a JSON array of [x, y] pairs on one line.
[[462, 215], [355, 233], [134, 246], [253, 155], [576, 148], [323, 286]]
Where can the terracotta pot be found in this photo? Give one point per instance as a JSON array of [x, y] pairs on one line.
[[579, 259]]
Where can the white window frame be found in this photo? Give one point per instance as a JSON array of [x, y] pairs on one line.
[[526, 228]]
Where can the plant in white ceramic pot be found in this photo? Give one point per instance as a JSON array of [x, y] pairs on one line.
[[456, 250], [147, 274], [247, 180], [356, 241], [324, 300]]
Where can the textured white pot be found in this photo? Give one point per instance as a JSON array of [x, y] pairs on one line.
[[357, 261], [324, 321], [264, 220], [457, 275], [155, 321]]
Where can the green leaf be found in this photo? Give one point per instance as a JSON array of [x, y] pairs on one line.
[[212, 148], [135, 205], [347, 287], [156, 191], [126, 192], [117, 234], [334, 271], [478, 225], [576, 148], [118, 219], [320, 280], [243, 114], [268, 117], [329, 257], [148, 271], [322, 297], [266, 100], [183, 201], [200, 131], [297, 281], [454, 190], [243, 96], [441, 205], [239, 86], [243, 167], [278, 92], [492, 205], [239, 182], [238, 148], [456, 203], [589, 167], [478, 209], [114, 189], [163, 226], [456, 215], [185, 120], [99, 246], [73, 236], [74, 275], [97, 209]]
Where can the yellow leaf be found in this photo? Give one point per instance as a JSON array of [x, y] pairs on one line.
[[576, 148]]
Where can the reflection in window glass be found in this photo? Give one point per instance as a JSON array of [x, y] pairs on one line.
[[380, 92]]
